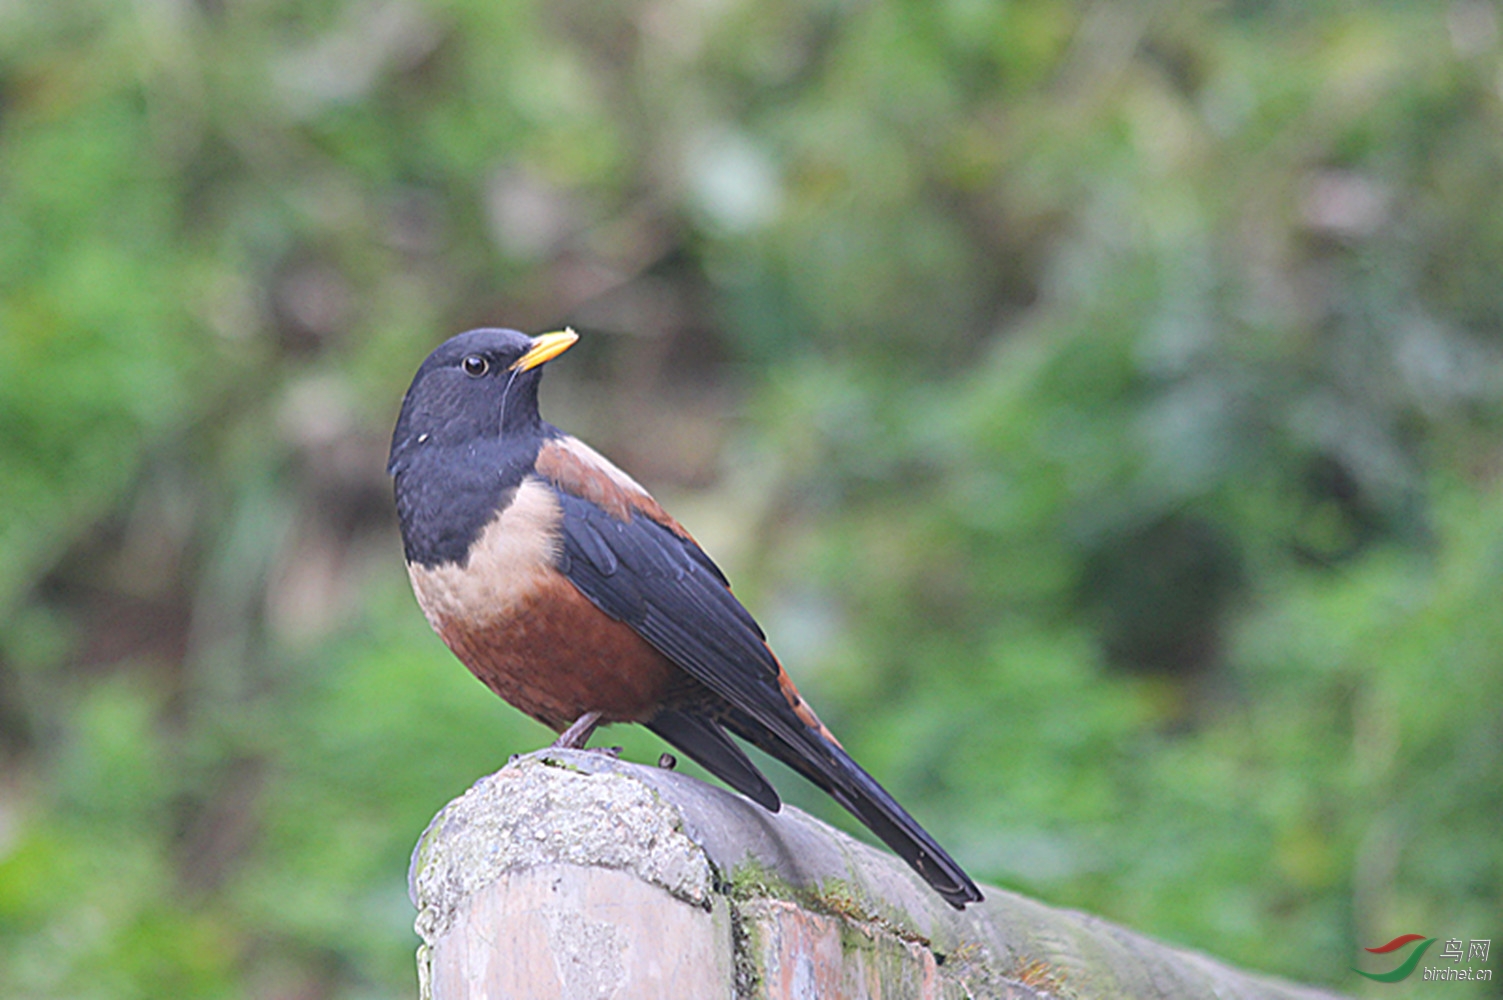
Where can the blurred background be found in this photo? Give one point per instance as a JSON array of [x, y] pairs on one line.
[[1098, 402]]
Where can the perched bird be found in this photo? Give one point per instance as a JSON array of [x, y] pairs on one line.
[[571, 593]]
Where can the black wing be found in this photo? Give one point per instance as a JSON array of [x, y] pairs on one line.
[[669, 591]]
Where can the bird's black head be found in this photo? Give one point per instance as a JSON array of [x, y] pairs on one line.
[[479, 386], [467, 436]]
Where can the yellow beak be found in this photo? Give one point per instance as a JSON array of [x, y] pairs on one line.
[[545, 347]]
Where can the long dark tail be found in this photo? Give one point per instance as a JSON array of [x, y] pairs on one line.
[[828, 766]]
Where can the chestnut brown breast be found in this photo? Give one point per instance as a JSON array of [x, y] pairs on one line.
[[529, 634]]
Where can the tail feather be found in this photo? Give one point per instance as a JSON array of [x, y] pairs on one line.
[[828, 766], [707, 744]]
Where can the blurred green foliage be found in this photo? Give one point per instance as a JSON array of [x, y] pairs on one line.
[[1098, 402]]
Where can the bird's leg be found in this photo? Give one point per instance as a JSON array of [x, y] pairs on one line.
[[577, 735]]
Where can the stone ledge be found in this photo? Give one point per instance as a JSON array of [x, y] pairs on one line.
[[572, 874]]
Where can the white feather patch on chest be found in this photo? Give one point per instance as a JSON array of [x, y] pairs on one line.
[[507, 564]]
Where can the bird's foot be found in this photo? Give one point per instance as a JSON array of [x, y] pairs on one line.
[[577, 735]]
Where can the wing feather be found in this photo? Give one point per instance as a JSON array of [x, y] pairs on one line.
[[659, 581]]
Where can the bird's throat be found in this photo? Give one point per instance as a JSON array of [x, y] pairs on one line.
[[446, 496]]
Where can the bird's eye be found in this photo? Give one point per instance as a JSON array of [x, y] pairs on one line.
[[475, 365]]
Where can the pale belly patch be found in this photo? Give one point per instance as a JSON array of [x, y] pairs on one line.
[[527, 632], [507, 564]]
